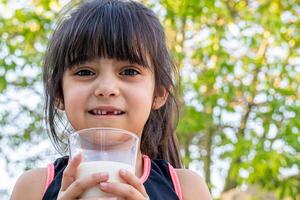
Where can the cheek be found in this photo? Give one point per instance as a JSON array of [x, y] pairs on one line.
[[75, 101], [141, 99], [74, 97]]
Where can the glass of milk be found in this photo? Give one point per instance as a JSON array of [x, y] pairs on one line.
[[104, 150]]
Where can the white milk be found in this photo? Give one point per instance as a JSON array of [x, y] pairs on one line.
[[112, 168]]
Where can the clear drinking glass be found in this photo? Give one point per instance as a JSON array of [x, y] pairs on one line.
[[104, 150]]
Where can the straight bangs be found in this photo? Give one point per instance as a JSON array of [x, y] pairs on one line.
[[109, 30]]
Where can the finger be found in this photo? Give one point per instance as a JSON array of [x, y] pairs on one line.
[[82, 184], [69, 174], [122, 190], [132, 180]]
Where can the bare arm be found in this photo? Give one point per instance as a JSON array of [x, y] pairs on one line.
[[30, 185], [192, 185]]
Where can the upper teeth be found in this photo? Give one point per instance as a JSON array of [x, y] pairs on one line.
[[104, 112]]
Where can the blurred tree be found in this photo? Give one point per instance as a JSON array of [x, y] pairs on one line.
[[24, 30], [240, 75]]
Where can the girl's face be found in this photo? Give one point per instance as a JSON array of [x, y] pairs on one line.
[[108, 93]]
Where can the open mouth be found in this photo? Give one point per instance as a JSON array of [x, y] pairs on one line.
[[106, 112]]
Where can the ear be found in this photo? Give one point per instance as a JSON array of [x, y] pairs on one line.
[[160, 98], [59, 104]]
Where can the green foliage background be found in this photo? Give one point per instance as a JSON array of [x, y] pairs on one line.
[[239, 85]]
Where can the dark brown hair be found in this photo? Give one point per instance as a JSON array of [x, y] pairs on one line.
[[123, 30]]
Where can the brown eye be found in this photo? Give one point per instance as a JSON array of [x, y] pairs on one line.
[[85, 72], [129, 72]]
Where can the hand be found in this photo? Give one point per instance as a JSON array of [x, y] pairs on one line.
[[72, 188], [132, 189]]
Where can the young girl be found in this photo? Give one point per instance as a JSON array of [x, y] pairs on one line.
[[107, 65]]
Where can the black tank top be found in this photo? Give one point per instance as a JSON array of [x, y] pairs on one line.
[[161, 182]]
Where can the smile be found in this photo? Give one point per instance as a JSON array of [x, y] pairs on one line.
[[106, 111]]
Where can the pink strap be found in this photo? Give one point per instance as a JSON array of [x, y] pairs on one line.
[[146, 170], [50, 176], [176, 182]]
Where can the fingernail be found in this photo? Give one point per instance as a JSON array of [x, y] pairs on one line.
[[103, 185], [104, 174], [123, 171], [77, 156], [74, 158]]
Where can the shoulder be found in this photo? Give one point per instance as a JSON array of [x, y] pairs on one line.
[[192, 185], [30, 185]]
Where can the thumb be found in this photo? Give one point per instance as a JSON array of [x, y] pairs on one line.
[[69, 174]]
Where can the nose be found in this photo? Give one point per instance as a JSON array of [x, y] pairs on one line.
[[107, 87]]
